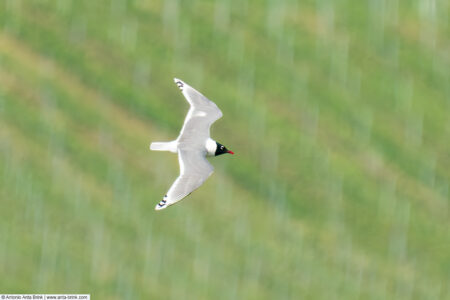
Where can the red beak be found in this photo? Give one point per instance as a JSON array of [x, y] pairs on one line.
[[231, 152]]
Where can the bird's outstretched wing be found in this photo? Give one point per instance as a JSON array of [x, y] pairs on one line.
[[201, 115], [194, 170]]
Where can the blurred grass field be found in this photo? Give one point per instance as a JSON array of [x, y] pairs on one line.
[[338, 112]]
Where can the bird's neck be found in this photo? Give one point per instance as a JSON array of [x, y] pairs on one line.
[[210, 146]]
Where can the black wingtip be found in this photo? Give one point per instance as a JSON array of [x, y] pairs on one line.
[[162, 204], [179, 83]]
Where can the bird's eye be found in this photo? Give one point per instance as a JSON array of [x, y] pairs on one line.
[[221, 147]]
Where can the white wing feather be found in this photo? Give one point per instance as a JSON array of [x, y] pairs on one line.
[[194, 170], [202, 114]]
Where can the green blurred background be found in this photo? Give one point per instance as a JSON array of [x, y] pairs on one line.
[[338, 112]]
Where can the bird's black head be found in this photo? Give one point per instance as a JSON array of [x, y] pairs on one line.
[[221, 149]]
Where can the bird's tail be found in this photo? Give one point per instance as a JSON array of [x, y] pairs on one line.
[[164, 146]]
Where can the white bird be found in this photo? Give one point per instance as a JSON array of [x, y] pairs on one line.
[[192, 145]]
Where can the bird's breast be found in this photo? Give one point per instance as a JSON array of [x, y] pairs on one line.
[[210, 147]]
